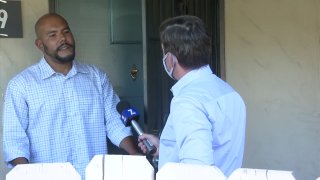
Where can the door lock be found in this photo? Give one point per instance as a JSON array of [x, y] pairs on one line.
[[134, 72]]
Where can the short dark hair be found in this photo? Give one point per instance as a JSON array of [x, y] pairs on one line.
[[186, 37]]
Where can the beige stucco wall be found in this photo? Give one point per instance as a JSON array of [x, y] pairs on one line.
[[18, 53], [272, 58]]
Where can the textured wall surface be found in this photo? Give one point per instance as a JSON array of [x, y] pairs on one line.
[[272, 59], [18, 53]]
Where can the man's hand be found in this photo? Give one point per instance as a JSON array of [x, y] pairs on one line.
[[19, 160], [129, 146], [152, 139]]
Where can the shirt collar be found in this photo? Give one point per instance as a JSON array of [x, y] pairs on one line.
[[189, 77], [46, 71]]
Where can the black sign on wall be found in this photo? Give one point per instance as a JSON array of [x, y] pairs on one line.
[[10, 19]]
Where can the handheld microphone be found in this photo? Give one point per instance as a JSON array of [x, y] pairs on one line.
[[130, 115]]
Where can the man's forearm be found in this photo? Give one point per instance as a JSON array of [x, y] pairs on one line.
[[19, 160], [128, 145]]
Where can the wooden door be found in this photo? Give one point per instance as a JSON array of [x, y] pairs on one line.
[[108, 34]]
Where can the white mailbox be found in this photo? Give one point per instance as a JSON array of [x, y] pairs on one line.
[[119, 167], [260, 174], [43, 171], [180, 171]]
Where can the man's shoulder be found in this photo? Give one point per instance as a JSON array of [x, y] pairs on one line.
[[27, 73], [86, 67], [24, 78]]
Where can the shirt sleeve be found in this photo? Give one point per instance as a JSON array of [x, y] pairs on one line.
[[115, 129], [15, 123], [193, 132]]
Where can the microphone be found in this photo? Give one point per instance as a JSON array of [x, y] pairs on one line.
[[130, 116]]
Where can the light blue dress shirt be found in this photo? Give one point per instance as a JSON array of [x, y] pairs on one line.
[[49, 117], [206, 124]]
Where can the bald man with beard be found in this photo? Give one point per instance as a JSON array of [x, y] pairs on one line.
[[60, 110]]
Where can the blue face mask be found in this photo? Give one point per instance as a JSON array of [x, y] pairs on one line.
[[165, 66]]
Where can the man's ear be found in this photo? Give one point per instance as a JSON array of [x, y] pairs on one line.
[[172, 60], [39, 44]]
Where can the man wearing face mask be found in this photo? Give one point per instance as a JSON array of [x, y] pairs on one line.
[[206, 124]]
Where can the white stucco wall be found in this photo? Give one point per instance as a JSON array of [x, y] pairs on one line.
[[272, 59], [18, 53]]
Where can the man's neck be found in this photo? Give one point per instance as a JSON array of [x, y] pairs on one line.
[[180, 71], [60, 67]]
